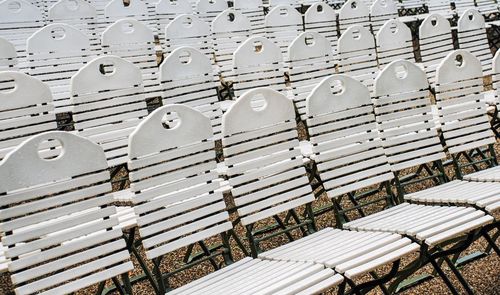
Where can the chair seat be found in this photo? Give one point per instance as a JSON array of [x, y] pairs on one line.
[[126, 217], [481, 194], [428, 224], [350, 253], [487, 175], [256, 276]]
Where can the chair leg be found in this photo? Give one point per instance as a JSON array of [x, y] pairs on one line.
[[118, 286], [443, 276], [126, 283], [492, 242]]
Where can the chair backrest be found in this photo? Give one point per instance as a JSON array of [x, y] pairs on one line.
[[309, 61], [380, 12], [107, 98], [441, 7], [208, 10], [357, 56], [463, 5], [189, 30], [135, 42], [472, 37], [81, 15], [460, 100], [321, 18], [57, 217], [137, 9], [229, 30], [495, 77], [188, 78], [394, 41], [261, 150], [55, 53], [353, 12], [258, 62], [292, 3], [435, 43], [26, 109], [166, 11], [404, 116], [283, 25], [486, 7], [342, 128], [173, 178], [8, 55], [254, 11], [19, 19]]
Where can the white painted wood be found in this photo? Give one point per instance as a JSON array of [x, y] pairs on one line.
[[8, 56], [189, 30], [41, 227], [382, 11], [293, 3], [394, 41], [472, 37], [254, 11], [19, 19], [429, 224], [264, 277], [107, 98], [487, 175], [462, 114], [463, 5], [435, 43], [136, 9], [229, 30], [441, 7], [183, 208], [80, 14], [404, 116], [26, 110], [55, 53], [486, 7], [258, 62], [309, 61], [357, 56], [207, 10], [270, 162], [135, 42], [354, 12], [187, 77], [166, 11], [321, 18], [283, 25]]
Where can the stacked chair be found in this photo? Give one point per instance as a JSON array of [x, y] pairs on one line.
[[382, 11], [354, 12], [8, 55], [322, 18], [208, 10], [254, 11], [394, 42], [138, 10], [167, 11], [283, 24]]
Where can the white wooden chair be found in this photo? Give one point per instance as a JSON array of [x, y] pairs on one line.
[[258, 62], [135, 42], [167, 11], [189, 30], [58, 225], [321, 18], [100, 6], [492, 97], [292, 3], [472, 37], [107, 98], [435, 43], [229, 30], [394, 41], [137, 9], [354, 12], [19, 19], [357, 56], [487, 7], [309, 61], [26, 110], [465, 127], [208, 10], [188, 78], [283, 25], [79, 14], [463, 5], [4, 262], [55, 53], [177, 194], [441, 7], [8, 55], [254, 11], [268, 179], [380, 12]]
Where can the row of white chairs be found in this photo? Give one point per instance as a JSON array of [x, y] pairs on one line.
[[62, 233]]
